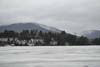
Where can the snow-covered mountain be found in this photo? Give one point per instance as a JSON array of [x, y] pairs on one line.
[[18, 27], [91, 34]]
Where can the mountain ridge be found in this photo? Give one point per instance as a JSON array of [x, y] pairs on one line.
[[18, 27], [92, 34]]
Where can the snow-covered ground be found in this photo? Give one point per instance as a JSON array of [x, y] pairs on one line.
[[61, 56]]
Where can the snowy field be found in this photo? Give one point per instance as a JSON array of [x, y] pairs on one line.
[[69, 56]]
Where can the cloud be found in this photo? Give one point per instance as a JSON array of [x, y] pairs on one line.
[[69, 15]]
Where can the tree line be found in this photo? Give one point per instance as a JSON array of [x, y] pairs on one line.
[[49, 38]]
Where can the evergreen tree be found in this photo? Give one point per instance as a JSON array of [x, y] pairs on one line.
[[82, 41], [96, 41]]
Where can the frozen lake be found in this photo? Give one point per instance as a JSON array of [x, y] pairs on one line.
[[65, 56]]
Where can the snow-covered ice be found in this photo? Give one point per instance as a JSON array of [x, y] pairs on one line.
[[46, 56]]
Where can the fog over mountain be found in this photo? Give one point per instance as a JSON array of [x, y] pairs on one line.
[[92, 34], [73, 16]]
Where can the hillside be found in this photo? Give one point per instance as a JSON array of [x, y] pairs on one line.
[[18, 27]]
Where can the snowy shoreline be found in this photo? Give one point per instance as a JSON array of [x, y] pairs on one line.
[[50, 56]]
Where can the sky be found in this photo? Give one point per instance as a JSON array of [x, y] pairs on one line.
[[73, 16]]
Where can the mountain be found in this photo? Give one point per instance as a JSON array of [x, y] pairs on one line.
[[18, 27], [92, 34]]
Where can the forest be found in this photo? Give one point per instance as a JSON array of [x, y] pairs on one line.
[[39, 38]]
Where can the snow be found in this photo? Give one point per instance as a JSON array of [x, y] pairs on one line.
[[49, 28], [61, 56]]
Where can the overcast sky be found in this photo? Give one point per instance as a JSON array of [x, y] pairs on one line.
[[71, 15]]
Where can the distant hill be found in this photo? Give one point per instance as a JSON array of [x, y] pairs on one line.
[[18, 27], [92, 34]]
